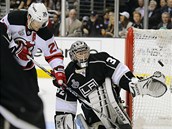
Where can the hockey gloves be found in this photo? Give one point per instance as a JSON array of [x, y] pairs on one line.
[[60, 78], [153, 86], [23, 50]]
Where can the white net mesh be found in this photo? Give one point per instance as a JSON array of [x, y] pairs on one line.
[[151, 47]]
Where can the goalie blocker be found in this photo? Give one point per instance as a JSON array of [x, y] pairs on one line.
[[153, 86]]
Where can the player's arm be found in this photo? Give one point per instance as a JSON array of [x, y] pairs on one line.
[[53, 55], [121, 76], [154, 85]]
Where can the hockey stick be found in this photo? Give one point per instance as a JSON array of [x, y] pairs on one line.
[[74, 93], [41, 67]]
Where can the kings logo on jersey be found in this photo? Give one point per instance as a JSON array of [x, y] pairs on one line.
[[88, 87]]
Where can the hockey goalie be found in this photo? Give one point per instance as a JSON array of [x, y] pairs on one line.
[[98, 78]]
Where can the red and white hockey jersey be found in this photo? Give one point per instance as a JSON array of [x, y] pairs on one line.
[[43, 39]]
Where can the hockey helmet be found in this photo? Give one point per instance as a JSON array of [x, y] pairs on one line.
[[38, 12], [79, 53]]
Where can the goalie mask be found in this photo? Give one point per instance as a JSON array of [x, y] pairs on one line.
[[39, 14], [79, 53]]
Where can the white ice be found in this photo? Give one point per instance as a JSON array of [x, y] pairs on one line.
[[48, 96]]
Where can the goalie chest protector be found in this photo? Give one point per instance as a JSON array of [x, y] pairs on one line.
[[84, 81]]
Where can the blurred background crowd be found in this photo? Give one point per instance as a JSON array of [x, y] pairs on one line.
[[95, 18]]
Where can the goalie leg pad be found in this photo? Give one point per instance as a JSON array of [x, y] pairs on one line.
[[104, 100], [154, 85], [65, 121]]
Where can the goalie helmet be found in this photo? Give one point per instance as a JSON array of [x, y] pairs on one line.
[[39, 13], [79, 53]]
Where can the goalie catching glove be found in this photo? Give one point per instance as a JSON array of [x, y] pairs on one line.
[[59, 75], [154, 85]]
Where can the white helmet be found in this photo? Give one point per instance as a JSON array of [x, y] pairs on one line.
[[38, 12], [79, 53]]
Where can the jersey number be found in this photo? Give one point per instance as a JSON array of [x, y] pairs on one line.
[[111, 60], [60, 91], [52, 48]]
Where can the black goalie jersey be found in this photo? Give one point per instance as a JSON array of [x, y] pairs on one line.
[[85, 81]]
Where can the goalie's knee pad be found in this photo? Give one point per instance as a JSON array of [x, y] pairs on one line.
[[65, 121], [154, 85]]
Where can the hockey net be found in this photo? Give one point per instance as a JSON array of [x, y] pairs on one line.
[[148, 51]]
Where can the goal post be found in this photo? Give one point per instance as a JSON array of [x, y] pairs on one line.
[[148, 51]]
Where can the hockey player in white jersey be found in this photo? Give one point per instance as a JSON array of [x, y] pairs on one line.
[[97, 78], [28, 31]]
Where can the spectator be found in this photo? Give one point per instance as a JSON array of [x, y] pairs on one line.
[[14, 4], [75, 4], [141, 7], [96, 26], [56, 24], [167, 8], [137, 18], [163, 3], [84, 27], [56, 5], [106, 19], [166, 23], [111, 13], [73, 25], [154, 15], [24, 4], [110, 29], [124, 24], [47, 3]]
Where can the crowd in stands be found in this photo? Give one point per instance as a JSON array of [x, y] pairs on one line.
[[102, 25]]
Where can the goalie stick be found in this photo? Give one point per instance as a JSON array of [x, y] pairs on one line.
[[74, 93]]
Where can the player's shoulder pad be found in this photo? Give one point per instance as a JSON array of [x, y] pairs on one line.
[[99, 56], [70, 66], [44, 33], [104, 57], [17, 18]]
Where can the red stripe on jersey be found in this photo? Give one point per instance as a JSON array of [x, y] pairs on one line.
[[50, 58]]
